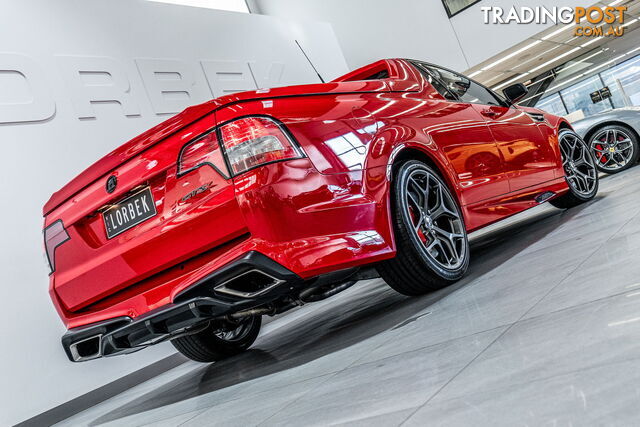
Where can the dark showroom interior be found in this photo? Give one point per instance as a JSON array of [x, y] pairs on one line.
[[312, 213]]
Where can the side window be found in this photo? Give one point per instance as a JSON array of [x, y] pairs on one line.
[[460, 86], [480, 95], [433, 77]]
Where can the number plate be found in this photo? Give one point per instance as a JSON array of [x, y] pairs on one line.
[[129, 213]]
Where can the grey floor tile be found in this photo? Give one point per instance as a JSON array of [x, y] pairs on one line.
[[601, 396], [253, 409], [599, 333], [384, 387], [383, 420], [89, 416], [613, 269], [483, 306], [154, 419]]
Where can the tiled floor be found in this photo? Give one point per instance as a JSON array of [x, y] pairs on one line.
[[544, 330]]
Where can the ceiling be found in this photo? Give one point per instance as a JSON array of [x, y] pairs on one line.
[[547, 50]]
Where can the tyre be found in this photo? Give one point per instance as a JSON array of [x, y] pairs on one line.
[[580, 171], [432, 248], [213, 343], [615, 148]]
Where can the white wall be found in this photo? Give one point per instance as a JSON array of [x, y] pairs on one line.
[[77, 79], [369, 30]]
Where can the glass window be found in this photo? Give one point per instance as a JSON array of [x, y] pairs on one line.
[[578, 97], [623, 80], [454, 7], [552, 104], [627, 76], [434, 78], [464, 89], [477, 94]]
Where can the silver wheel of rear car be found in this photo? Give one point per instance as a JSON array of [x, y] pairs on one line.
[[613, 149]]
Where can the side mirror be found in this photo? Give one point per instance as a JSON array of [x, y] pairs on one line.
[[515, 93]]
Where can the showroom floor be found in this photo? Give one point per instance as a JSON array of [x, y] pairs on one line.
[[544, 330]]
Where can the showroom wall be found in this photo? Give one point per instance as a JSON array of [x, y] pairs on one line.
[[368, 30], [82, 78]]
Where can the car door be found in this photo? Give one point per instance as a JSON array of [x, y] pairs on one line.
[[527, 155], [464, 137]]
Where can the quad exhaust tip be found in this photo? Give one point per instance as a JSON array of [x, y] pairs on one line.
[[86, 349], [249, 284]]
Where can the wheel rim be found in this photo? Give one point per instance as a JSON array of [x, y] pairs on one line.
[[236, 331], [613, 149], [435, 220], [579, 165]]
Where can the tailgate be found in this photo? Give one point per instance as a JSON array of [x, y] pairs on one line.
[[193, 213]]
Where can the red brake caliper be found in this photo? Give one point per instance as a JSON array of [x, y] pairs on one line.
[[414, 219], [603, 158]]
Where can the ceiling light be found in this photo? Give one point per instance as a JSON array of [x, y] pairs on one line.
[[475, 73], [630, 23], [590, 42], [613, 3], [633, 50], [566, 81], [493, 79], [513, 80], [554, 60], [531, 83], [604, 64], [542, 54], [511, 55], [565, 69], [528, 99], [581, 61], [555, 33]]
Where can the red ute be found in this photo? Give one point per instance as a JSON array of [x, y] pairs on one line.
[[255, 202]]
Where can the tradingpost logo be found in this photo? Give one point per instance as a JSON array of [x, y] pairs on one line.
[[591, 21]]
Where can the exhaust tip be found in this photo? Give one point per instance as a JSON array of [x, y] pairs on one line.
[[248, 284], [86, 349]]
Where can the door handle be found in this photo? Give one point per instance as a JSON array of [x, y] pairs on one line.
[[489, 113]]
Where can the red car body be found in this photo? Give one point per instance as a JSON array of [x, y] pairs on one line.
[[326, 210]]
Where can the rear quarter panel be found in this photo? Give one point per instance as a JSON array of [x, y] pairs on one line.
[[330, 208]]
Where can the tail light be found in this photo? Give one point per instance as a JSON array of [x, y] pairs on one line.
[[54, 236], [202, 151], [255, 141]]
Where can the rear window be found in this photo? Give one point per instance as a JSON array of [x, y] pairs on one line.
[[384, 74], [454, 86], [379, 71]]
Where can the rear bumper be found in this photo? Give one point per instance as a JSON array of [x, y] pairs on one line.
[[309, 223], [207, 299]]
